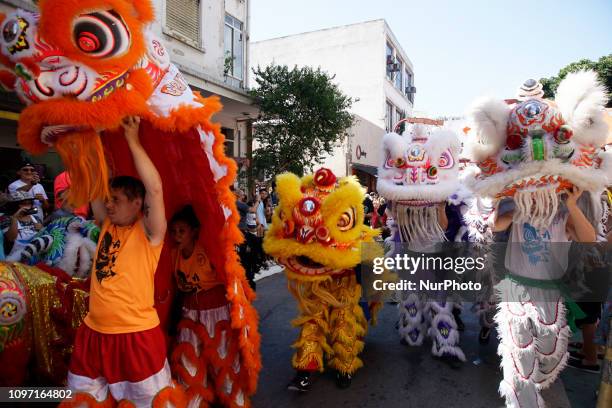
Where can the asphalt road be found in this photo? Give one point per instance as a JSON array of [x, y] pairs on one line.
[[393, 375]]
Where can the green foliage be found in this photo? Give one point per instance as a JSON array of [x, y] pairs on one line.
[[603, 67], [303, 115]]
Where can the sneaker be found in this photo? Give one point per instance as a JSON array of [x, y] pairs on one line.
[[595, 368], [485, 335], [452, 361], [460, 324], [343, 380], [579, 356], [575, 344], [301, 382]]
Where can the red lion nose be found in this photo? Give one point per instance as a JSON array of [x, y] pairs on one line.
[[305, 234]]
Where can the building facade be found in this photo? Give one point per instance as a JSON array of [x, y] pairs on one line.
[[206, 39], [369, 65]]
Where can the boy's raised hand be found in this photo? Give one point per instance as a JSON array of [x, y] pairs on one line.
[[130, 125]]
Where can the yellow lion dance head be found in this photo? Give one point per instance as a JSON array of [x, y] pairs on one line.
[[317, 229]]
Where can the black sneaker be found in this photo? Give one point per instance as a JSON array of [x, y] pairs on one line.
[[485, 335], [579, 356], [457, 316], [301, 382], [343, 380], [595, 368], [452, 361]]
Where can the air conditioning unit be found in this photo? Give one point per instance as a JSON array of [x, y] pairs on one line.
[[410, 90]]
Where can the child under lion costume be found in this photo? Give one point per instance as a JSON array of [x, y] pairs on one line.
[[542, 163], [316, 233], [419, 178]]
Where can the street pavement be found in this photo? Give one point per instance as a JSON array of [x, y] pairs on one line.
[[393, 375]]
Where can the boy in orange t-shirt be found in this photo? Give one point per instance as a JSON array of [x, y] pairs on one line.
[[120, 347], [205, 329]]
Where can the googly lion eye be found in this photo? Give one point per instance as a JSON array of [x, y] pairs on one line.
[[346, 220], [432, 172], [101, 34]]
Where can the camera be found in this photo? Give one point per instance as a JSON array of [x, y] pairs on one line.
[[30, 211]]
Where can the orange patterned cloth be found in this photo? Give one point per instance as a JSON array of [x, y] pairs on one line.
[[195, 273]]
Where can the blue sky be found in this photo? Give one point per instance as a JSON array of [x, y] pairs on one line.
[[460, 49]]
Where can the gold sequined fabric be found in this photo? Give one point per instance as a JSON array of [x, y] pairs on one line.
[[51, 347], [331, 323], [42, 297], [13, 308]]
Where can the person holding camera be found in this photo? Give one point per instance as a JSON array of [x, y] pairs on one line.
[[29, 181], [24, 223]]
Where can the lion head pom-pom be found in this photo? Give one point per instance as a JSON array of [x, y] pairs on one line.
[[324, 178]]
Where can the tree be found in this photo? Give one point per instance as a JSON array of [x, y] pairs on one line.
[[303, 115], [603, 67]]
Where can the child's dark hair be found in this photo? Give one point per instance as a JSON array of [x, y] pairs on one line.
[[186, 215], [131, 187]]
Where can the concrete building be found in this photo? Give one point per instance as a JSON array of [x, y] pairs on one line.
[[369, 65], [206, 39]]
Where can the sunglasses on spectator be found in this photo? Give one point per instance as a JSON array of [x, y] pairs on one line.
[[28, 170]]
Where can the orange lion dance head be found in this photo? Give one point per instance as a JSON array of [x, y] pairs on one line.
[[81, 66]]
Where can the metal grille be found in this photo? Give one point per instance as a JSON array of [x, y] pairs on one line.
[[183, 19]]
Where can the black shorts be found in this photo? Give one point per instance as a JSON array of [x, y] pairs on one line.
[[592, 310]]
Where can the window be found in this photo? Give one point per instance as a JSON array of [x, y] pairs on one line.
[[398, 75], [389, 62], [389, 117], [408, 84], [229, 141], [183, 20], [399, 115], [234, 50]]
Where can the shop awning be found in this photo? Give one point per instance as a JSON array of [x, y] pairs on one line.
[[371, 170]]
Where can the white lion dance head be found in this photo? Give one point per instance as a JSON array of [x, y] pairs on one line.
[[536, 149], [420, 171]]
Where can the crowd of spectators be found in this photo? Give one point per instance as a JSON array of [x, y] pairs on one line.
[[25, 208]]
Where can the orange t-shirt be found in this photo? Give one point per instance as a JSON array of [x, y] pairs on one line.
[[195, 273], [122, 281]]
